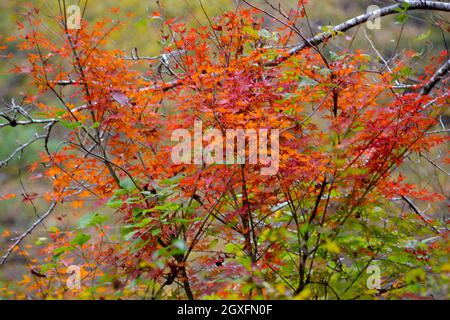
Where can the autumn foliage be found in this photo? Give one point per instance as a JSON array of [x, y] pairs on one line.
[[155, 229]]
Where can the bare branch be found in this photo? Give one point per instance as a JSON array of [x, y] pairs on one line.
[[435, 164], [19, 239], [349, 24], [419, 213], [22, 147]]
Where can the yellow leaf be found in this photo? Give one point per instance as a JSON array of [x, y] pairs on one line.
[[446, 267], [26, 279], [305, 294], [332, 247]]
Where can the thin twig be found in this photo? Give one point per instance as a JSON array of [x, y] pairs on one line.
[[19, 239]]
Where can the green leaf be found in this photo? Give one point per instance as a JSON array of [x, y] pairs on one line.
[[405, 71], [406, 6], [213, 243], [145, 222], [61, 113], [403, 7], [120, 192], [155, 232], [423, 36], [70, 125], [114, 203], [415, 275], [60, 251], [47, 267], [129, 236], [401, 18], [139, 244], [80, 239], [144, 22], [91, 219], [168, 206]]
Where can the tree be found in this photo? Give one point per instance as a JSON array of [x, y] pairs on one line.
[[346, 124]]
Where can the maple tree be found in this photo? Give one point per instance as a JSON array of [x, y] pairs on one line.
[[156, 229]]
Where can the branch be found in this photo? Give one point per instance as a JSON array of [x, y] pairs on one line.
[[435, 164], [419, 213], [349, 24], [440, 73], [15, 112], [14, 123], [22, 147], [19, 239]]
